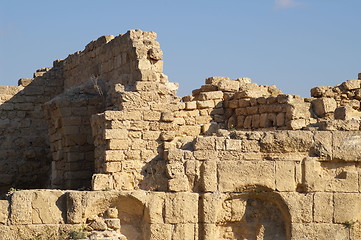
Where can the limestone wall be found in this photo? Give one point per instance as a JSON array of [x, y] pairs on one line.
[[233, 160]]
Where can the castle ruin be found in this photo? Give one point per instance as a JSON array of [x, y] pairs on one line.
[[107, 150]]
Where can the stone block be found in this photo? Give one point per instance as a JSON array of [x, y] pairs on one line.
[[125, 181], [185, 231], [286, 141], [351, 84], [174, 155], [234, 176], [118, 144], [102, 182], [322, 106], [300, 206], [228, 85], [4, 211], [181, 208], [205, 104], [319, 231], [155, 206], [346, 146], [167, 117], [285, 176], [323, 207], [296, 124], [20, 207], [112, 167], [322, 145], [210, 95], [347, 207], [48, 207], [215, 80], [319, 91], [208, 88], [347, 113], [114, 155], [204, 143], [189, 130], [191, 105], [280, 119], [179, 184], [209, 176], [115, 134], [212, 207], [210, 231], [160, 231], [175, 170], [151, 116], [25, 81], [233, 145], [232, 104]]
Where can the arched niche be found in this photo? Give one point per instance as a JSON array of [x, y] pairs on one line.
[[255, 213]]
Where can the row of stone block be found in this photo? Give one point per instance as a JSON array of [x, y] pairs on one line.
[[190, 213]]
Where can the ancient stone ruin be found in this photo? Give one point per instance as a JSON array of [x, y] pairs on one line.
[[110, 152]]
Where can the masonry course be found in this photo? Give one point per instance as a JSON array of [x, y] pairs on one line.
[[107, 150]]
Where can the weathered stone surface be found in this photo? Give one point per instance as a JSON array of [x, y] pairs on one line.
[[347, 146], [54, 202], [347, 207], [181, 208], [234, 176], [20, 208]]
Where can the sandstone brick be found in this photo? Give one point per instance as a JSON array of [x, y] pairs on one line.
[[20, 208], [160, 231], [112, 167], [114, 155], [285, 176], [233, 145], [234, 176], [300, 206], [185, 231], [156, 208], [124, 181], [175, 155], [181, 208], [321, 106], [152, 116], [205, 104], [118, 144], [210, 95], [351, 84], [179, 184], [191, 105], [55, 204], [346, 207], [189, 130], [116, 134], [319, 231], [209, 176], [215, 80], [102, 182], [204, 143], [323, 207], [346, 142], [4, 211]]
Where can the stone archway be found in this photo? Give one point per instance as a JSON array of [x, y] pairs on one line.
[[256, 213]]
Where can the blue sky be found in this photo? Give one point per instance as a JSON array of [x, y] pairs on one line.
[[294, 44]]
